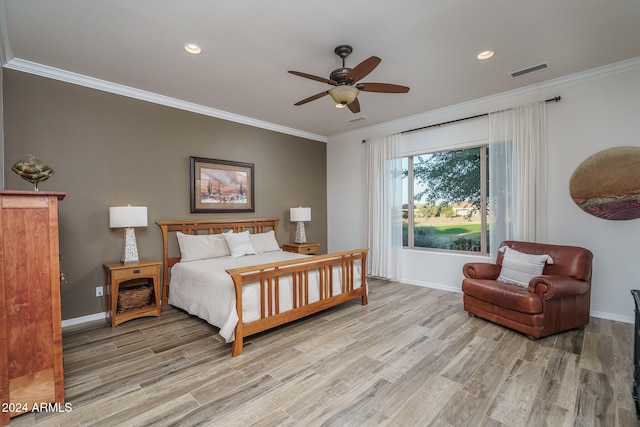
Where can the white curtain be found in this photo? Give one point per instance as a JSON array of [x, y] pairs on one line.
[[384, 206], [518, 175]]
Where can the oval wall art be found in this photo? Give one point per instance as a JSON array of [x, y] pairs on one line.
[[607, 184]]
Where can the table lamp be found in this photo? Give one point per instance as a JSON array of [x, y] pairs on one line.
[[128, 217], [300, 215]]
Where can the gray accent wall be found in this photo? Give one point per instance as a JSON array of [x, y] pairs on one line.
[[110, 150], [1, 127]]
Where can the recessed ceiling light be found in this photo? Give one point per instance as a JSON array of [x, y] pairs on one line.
[[192, 48], [485, 55]]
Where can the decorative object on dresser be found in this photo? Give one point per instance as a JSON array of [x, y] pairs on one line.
[[243, 295], [31, 366], [299, 215], [302, 248], [221, 186], [536, 289], [133, 290], [128, 217], [33, 170]]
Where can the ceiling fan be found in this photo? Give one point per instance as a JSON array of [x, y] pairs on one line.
[[345, 82]]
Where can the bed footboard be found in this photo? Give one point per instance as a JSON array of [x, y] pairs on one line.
[[351, 275]]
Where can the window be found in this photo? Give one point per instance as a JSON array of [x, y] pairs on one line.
[[445, 200]]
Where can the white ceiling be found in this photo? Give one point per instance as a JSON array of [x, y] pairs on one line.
[[248, 46]]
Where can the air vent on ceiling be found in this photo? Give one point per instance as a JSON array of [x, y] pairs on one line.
[[357, 119], [529, 70]]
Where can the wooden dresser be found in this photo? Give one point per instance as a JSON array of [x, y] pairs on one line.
[[31, 371]]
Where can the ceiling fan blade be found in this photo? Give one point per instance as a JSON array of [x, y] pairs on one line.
[[312, 77], [382, 87], [363, 69], [312, 98], [354, 106]]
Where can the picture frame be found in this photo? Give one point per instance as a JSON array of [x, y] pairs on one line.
[[221, 186]]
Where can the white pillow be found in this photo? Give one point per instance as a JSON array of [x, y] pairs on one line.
[[201, 246], [239, 244], [519, 268], [264, 242]]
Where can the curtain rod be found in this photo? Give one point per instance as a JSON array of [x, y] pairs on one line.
[[554, 99]]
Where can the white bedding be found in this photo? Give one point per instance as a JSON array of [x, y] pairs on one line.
[[204, 289]]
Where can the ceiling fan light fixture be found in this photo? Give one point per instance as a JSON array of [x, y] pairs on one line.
[[343, 95]]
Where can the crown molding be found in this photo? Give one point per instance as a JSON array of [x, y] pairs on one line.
[[429, 116], [106, 86], [5, 49], [118, 89]]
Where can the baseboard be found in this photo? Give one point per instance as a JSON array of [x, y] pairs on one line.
[[614, 317], [432, 285], [84, 319], [598, 314]]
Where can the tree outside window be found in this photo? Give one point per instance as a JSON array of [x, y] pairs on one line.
[[445, 200]]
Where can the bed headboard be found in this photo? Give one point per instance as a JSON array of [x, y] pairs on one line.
[[206, 226]]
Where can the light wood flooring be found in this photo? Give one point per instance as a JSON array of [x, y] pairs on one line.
[[412, 357]]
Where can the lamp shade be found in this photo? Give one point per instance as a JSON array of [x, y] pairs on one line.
[[300, 214], [127, 216]]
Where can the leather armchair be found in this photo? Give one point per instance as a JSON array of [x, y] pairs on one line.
[[556, 301]]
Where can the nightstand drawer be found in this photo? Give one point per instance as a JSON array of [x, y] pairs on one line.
[[308, 250], [302, 248], [127, 274]]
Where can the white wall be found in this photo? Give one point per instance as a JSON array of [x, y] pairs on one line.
[[599, 109]]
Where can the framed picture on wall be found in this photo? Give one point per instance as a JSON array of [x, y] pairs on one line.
[[221, 186]]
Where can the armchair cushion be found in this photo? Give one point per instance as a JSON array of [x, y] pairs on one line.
[[519, 268], [504, 295]]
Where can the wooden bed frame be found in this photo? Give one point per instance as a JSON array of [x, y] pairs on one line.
[[268, 276]]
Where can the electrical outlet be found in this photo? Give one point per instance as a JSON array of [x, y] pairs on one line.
[[98, 291]]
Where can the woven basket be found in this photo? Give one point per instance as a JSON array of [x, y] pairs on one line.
[[134, 297]]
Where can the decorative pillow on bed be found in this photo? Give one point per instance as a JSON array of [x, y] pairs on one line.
[[519, 268], [264, 242], [201, 246], [239, 244]]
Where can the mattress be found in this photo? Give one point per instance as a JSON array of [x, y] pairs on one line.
[[204, 289]]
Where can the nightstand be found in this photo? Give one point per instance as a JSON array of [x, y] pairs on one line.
[[302, 248], [132, 290]]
